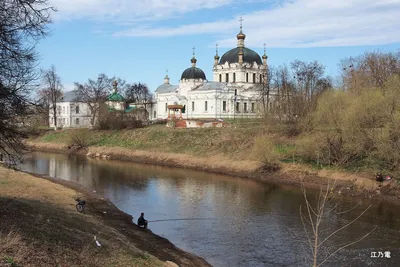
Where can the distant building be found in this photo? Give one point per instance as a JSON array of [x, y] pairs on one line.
[[70, 112], [74, 114], [238, 79]]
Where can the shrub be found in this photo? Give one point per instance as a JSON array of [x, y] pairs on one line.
[[264, 151], [117, 120], [79, 138]]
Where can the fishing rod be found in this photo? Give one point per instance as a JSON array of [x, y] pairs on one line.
[[185, 219]]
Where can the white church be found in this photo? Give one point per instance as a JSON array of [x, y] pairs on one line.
[[234, 91]]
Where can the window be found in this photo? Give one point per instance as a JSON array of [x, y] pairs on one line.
[[234, 77], [192, 105], [220, 78], [205, 106], [227, 77], [254, 78], [237, 107], [261, 79], [223, 105], [154, 115], [244, 107], [247, 77], [77, 121], [166, 107], [63, 110], [63, 120], [77, 109], [252, 107]]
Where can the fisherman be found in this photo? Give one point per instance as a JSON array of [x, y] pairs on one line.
[[379, 177], [141, 221]]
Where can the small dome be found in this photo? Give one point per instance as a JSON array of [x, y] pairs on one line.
[[193, 73], [193, 60], [241, 35], [232, 56], [216, 57], [116, 97], [264, 56]]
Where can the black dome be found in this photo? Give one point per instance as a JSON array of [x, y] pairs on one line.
[[193, 73], [249, 56]]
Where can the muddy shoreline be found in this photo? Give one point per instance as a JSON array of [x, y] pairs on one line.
[[103, 209], [357, 185]]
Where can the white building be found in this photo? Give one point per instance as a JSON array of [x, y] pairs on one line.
[[70, 113], [74, 114], [238, 78]]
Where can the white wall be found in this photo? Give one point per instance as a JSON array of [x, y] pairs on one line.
[[67, 117], [214, 105]]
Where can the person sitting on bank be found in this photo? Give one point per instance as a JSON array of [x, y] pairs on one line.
[[379, 177], [141, 221]]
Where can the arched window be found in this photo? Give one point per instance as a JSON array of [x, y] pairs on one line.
[[220, 78], [254, 78], [247, 77], [234, 77], [77, 109], [261, 78], [227, 77]]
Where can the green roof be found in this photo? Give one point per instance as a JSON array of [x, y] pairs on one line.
[[129, 109], [115, 97]]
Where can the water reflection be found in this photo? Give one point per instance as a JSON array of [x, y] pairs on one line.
[[257, 224]]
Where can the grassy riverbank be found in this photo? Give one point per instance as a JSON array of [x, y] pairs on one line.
[[245, 150], [39, 226]]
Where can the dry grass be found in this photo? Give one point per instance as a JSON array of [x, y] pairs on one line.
[[211, 163], [40, 227], [234, 143]]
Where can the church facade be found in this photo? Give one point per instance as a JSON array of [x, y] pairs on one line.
[[235, 90]]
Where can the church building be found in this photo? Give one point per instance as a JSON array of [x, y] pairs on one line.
[[235, 89]]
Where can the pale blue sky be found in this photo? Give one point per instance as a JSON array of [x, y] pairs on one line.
[[138, 40]]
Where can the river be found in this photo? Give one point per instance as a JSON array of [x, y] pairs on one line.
[[243, 222]]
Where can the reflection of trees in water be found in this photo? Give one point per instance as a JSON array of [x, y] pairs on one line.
[[199, 193]]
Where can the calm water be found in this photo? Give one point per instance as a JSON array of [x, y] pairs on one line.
[[250, 224]]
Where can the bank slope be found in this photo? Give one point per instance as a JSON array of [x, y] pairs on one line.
[[39, 226]]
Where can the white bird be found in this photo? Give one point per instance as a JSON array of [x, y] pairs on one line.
[[97, 242]]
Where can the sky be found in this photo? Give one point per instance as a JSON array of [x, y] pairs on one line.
[[139, 40]]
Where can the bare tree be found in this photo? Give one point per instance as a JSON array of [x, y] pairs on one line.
[[51, 91], [307, 75], [22, 24], [265, 89], [138, 92], [93, 94], [372, 69], [315, 216]]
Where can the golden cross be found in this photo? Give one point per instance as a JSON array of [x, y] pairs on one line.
[[241, 19]]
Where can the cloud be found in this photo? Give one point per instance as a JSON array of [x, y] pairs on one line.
[[299, 23], [130, 11]]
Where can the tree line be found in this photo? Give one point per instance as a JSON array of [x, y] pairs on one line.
[[353, 120]]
